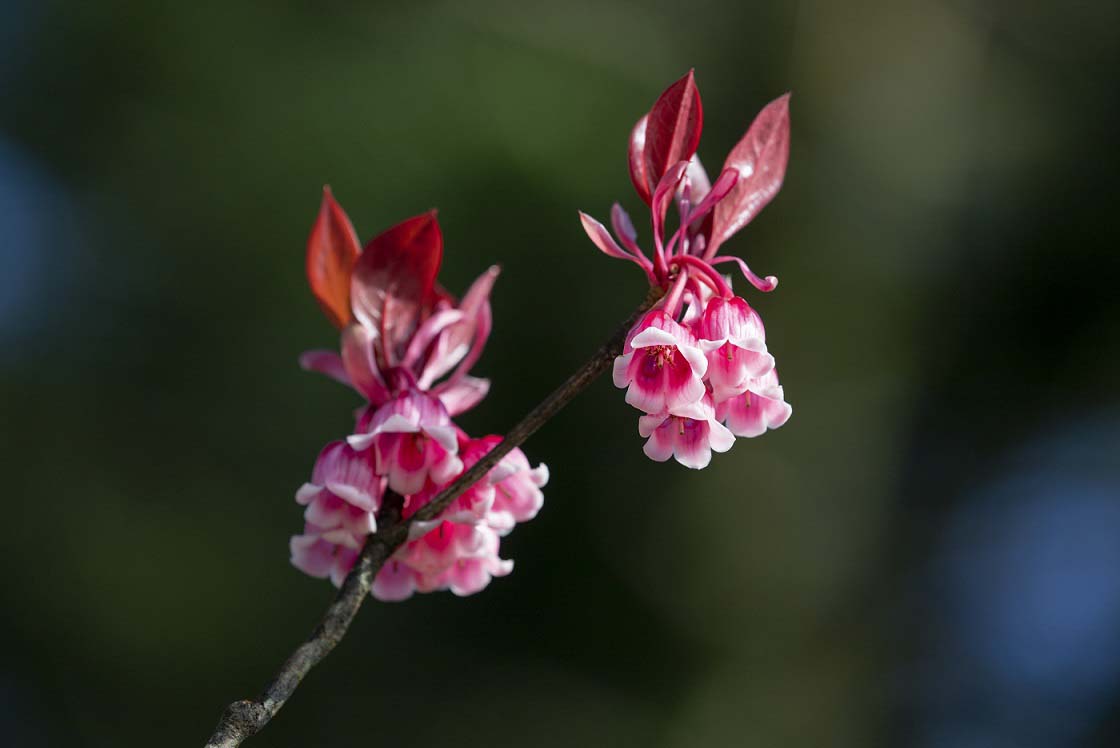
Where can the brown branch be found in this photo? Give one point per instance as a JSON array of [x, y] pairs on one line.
[[243, 719]]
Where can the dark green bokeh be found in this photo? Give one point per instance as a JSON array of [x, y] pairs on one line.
[[947, 246]]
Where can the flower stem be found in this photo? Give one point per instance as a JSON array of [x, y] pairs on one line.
[[245, 718]]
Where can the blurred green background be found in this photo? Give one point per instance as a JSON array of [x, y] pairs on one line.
[[927, 554]]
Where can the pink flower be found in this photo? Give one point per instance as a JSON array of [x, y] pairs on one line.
[[732, 336], [322, 553], [662, 368], [458, 551], [762, 406], [689, 434], [454, 556], [517, 491], [413, 440], [474, 504], [509, 494], [342, 499]]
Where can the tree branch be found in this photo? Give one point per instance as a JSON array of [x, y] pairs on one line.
[[245, 718]]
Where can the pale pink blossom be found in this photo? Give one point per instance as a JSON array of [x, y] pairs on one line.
[[662, 368], [342, 499], [509, 494], [733, 338], [324, 553], [689, 434], [451, 556], [760, 407], [413, 440], [517, 491]]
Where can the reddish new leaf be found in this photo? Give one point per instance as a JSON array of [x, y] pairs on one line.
[[636, 152], [393, 284], [332, 250], [673, 129], [760, 158]]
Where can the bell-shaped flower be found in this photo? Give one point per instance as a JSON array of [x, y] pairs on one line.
[[690, 434], [325, 552], [517, 491], [662, 369], [342, 499], [509, 494], [470, 507], [760, 407], [733, 338], [344, 489], [413, 440], [455, 556]]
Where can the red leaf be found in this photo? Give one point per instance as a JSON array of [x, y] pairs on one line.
[[760, 158], [394, 282], [636, 153], [332, 250], [673, 130]]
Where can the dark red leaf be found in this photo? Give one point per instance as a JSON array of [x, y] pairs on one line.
[[394, 282], [636, 153], [760, 158], [673, 129], [332, 250]]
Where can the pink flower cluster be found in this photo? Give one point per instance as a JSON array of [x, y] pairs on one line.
[[697, 365], [407, 347]]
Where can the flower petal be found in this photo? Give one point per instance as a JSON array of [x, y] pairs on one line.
[[620, 374], [325, 362], [602, 238], [461, 396], [358, 360]]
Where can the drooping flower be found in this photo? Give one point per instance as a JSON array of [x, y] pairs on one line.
[[732, 336], [462, 558], [698, 311], [412, 438], [690, 434], [661, 367], [473, 505], [517, 491], [342, 500], [459, 551], [761, 406]]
